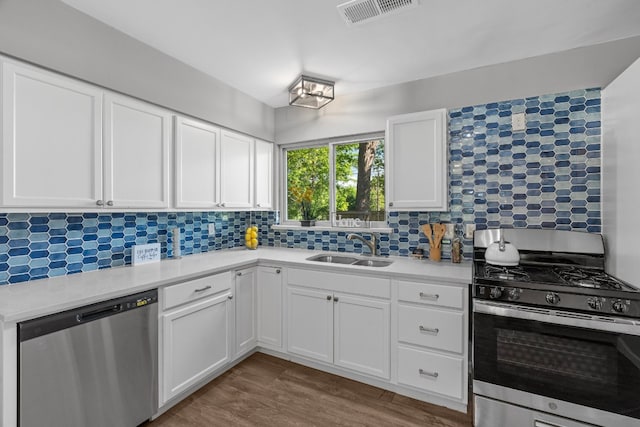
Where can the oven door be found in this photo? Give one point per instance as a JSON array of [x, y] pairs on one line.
[[588, 361]]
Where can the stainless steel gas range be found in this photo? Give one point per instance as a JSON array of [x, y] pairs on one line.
[[556, 340]]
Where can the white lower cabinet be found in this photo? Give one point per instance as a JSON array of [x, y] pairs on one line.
[[246, 336], [361, 334], [350, 331], [432, 341], [430, 371], [196, 342], [270, 307], [310, 321], [410, 337]]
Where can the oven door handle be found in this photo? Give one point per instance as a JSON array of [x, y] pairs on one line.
[[559, 317]]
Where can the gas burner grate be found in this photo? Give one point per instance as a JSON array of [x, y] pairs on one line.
[[505, 273], [586, 278]]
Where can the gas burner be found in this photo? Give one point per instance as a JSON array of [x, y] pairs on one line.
[[505, 273], [588, 278]]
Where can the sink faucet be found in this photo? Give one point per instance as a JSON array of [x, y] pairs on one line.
[[371, 244]]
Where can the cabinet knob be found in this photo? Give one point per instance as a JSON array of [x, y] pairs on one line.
[[239, 273], [110, 203], [100, 202], [258, 205], [335, 299], [390, 204], [230, 297], [278, 271], [328, 297], [223, 204]]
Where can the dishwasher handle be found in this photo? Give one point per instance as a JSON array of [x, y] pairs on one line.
[[40, 326], [88, 316]]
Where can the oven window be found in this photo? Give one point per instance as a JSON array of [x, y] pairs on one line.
[[592, 368], [534, 355]]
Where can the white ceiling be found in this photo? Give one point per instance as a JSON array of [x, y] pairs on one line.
[[261, 46]]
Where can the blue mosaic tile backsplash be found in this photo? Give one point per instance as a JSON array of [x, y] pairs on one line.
[[547, 176], [34, 246]]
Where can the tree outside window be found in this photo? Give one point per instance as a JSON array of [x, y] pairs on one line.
[[358, 180]]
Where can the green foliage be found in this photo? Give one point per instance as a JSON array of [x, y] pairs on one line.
[[308, 168]]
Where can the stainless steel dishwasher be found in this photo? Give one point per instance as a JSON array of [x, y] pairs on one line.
[[91, 366]]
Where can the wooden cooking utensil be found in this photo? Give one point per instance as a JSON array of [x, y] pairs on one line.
[[439, 230], [426, 229]]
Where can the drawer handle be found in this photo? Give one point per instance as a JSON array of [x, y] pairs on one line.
[[430, 330], [538, 423], [427, 373], [203, 289], [429, 296]]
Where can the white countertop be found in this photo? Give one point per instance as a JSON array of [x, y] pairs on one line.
[[37, 298]]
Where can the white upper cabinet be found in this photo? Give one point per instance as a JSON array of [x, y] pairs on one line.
[[416, 162], [62, 149], [236, 170], [264, 175], [71, 145], [136, 137], [51, 140], [197, 151]]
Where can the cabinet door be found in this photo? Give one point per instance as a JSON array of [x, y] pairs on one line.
[[136, 154], [197, 155], [52, 141], [236, 170], [195, 342], [416, 162], [362, 340], [264, 175], [270, 307], [245, 297], [310, 323]]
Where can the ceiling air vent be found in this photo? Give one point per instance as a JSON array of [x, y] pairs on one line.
[[361, 11]]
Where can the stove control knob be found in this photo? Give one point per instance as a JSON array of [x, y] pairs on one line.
[[514, 294], [619, 306], [495, 293], [552, 298], [594, 303]]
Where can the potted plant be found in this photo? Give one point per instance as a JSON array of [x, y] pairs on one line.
[[303, 198]]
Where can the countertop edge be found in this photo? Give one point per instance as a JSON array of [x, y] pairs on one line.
[[168, 272]]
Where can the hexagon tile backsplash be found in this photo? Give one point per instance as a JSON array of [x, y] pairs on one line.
[[546, 176]]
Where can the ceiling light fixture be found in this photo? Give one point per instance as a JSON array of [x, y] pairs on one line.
[[310, 92]]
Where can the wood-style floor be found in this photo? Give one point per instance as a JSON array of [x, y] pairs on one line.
[[267, 391]]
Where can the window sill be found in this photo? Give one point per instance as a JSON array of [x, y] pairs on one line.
[[379, 230]]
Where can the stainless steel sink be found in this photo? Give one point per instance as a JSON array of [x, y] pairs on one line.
[[341, 259], [373, 262], [333, 259]]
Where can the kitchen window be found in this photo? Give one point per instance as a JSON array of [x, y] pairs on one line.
[[334, 181]]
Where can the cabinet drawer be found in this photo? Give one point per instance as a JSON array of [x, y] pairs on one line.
[[195, 289], [432, 372], [361, 285], [431, 328], [426, 293]]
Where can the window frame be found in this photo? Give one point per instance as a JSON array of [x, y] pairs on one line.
[[331, 143]]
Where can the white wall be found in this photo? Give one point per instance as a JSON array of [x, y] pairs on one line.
[[593, 66], [54, 35], [621, 174]]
